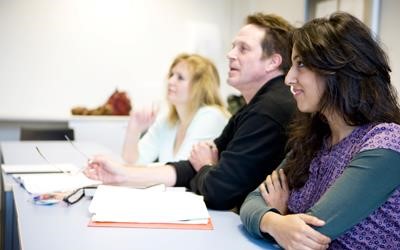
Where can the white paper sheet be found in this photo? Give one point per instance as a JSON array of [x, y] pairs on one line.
[[47, 183], [38, 168], [123, 204]]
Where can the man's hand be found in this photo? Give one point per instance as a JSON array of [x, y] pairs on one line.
[[104, 169], [203, 153], [275, 191]]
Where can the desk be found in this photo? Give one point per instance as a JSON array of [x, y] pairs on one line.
[[62, 227], [25, 153]]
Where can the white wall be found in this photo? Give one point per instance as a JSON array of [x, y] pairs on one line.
[[390, 22], [55, 54], [293, 11]]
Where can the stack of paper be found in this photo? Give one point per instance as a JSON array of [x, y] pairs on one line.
[[39, 179], [129, 205]]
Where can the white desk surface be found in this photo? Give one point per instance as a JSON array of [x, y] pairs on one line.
[[62, 227]]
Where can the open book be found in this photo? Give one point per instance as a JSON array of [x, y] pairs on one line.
[[144, 208]]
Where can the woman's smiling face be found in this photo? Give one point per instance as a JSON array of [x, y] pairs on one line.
[[306, 85]]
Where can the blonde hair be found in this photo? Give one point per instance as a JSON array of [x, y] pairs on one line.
[[204, 85]]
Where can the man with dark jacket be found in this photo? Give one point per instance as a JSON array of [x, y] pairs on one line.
[[251, 145]]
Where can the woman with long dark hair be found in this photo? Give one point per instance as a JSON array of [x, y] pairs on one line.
[[339, 186]]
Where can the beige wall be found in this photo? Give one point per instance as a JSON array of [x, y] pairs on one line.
[[387, 18], [58, 54], [390, 36], [293, 11]]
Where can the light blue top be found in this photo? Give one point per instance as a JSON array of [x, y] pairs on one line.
[[158, 142]]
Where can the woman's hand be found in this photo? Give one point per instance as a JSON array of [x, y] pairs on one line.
[[294, 231], [105, 170], [142, 119], [275, 191]]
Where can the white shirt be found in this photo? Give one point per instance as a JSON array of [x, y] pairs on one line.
[[158, 142]]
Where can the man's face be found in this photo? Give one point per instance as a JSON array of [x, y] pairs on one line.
[[246, 65]]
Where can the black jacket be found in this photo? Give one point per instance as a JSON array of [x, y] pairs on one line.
[[250, 147]]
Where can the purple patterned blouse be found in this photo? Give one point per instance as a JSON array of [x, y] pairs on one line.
[[381, 229]]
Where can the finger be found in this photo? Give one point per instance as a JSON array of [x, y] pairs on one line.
[[205, 145], [308, 243], [312, 220], [91, 173], [92, 164], [313, 234], [284, 182], [195, 148], [316, 239], [210, 144], [201, 146], [269, 185], [192, 155], [275, 180], [86, 171], [263, 190]]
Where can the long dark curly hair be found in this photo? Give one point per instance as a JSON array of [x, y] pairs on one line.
[[357, 76]]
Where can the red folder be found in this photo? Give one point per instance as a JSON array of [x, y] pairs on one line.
[[208, 226]]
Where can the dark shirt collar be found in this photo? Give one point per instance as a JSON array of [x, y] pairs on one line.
[[273, 83], [266, 87]]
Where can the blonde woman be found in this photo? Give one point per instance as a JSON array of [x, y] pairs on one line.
[[196, 113]]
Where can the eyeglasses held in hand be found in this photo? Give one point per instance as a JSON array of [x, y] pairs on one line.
[[76, 148], [80, 151]]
